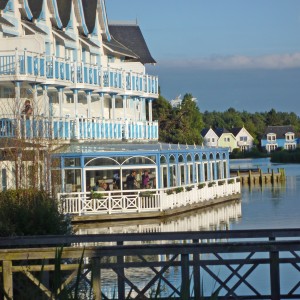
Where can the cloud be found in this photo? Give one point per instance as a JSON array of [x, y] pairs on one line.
[[274, 61]]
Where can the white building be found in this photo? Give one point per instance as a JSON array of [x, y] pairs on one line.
[[88, 95]]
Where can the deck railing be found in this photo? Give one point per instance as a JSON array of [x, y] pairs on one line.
[[137, 201], [76, 128], [15, 64], [238, 264]]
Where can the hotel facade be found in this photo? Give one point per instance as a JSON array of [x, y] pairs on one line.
[[76, 85]]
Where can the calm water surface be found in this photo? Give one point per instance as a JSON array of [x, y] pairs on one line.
[[270, 206]]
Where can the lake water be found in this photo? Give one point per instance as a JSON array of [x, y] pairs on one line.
[[270, 206]]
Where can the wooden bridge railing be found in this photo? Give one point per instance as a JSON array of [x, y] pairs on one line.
[[244, 264]]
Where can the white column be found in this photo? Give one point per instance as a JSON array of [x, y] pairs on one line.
[[75, 97], [134, 108], [89, 100], [113, 106], [60, 91], [34, 105], [150, 110], [18, 104], [45, 101], [101, 104], [143, 109], [124, 107]]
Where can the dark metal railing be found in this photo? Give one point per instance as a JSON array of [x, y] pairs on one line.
[[243, 264]]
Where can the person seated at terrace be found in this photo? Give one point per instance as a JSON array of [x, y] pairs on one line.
[[104, 186], [27, 111]]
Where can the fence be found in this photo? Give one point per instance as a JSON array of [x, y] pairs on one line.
[[245, 264], [138, 201]]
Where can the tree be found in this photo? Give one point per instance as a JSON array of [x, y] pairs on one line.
[[190, 121]]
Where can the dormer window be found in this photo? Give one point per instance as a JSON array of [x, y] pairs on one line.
[[271, 137], [289, 136]]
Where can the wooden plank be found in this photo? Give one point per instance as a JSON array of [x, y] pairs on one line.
[[7, 279], [57, 241]]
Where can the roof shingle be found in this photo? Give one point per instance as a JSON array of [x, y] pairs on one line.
[[131, 37]]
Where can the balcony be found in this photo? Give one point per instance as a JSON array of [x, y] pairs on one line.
[[29, 66], [39, 127]]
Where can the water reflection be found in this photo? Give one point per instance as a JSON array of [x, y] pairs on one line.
[[216, 217], [270, 206]]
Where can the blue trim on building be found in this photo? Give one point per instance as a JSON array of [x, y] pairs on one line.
[[28, 10], [56, 14], [85, 29]]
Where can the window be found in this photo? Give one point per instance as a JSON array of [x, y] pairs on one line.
[[243, 138], [212, 140], [289, 136], [111, 59], [271, 137]]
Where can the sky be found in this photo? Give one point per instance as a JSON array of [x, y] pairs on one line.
[[243, 54]]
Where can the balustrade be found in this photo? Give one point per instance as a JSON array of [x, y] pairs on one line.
[[45, 67], [80, 128], [134, 201]]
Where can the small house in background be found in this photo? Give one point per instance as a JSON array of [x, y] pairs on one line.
[[226, 139], [279, 136], [210, 138], [243, 138]]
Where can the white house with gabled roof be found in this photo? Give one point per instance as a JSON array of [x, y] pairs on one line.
[[210, 138], [243, 138]]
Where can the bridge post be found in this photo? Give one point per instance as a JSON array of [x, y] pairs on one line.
[[196, 271], [185, 277], [96, 281], [274, 273], [7, 279], [121, 275]]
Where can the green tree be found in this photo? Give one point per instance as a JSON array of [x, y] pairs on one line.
[[190, 122]]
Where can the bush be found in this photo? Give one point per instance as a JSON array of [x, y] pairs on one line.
[[178, 190], [286, 156], [201, 185], [30, 212], [189, 188]]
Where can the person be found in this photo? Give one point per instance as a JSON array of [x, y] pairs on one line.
[[116, 179], [145, 180], [104, 186], [131, 181], [27, 111]]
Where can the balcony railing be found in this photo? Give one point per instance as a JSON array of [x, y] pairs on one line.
[[77, 128], [154, 200], [51, 68]]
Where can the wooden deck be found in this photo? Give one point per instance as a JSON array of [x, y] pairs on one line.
[[256, 176]]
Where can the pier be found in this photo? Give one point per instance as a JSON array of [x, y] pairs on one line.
[[244, 264], [257, 176]]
